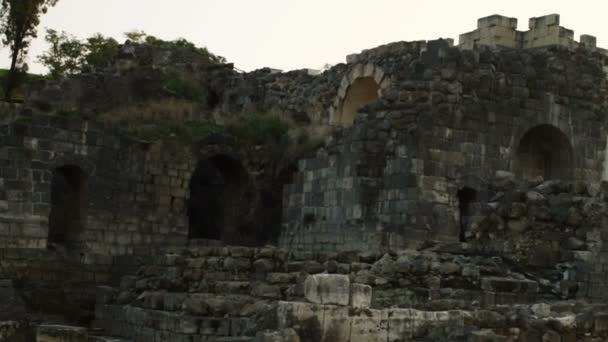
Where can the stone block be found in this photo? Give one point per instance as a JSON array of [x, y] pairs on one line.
[[61, 333], [370, 326], [304, 317], [498, 284], [400, 324], [360, 296], [327, 289], [337, 324]]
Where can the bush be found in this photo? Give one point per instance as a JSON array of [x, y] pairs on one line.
[[259, 128], [181, 87], [181, 43]]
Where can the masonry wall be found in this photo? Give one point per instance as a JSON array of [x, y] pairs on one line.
[[449, 119], [129, 186], [135, 203], [232, 292]]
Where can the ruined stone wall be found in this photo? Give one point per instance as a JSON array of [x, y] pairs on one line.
[[238, 293], [445, 120], [134, 202], [232, 292], [122, 203]]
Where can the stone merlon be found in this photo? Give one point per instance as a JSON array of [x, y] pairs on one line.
[[500, 31]]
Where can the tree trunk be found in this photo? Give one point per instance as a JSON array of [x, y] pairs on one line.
[[11, 77]]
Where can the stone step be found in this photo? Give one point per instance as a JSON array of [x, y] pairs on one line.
[[106, 339]]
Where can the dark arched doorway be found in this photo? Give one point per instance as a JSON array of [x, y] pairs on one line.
[[544, 151], [467, 197], [219, 199], [361, 92], [68, 204]]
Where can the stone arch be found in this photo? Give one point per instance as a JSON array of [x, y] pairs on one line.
[[361, 86], [68, 204], [544, 151], [218, 199]]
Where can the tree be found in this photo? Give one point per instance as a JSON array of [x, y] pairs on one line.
[[66, 54], [136, 36], [20, 19], [100, 50]]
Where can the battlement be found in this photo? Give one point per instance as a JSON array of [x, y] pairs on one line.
[[500, 31]]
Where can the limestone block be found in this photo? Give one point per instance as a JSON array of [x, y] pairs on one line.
[[287, 335], [547, 20], [337, 324], [360, 296], [600, 322], [327, 289], [588, 41], [400, 324], [499, 284], [357, 72], [370, 326], [497, 20], [304, 317], [353, 58], [60, 333]]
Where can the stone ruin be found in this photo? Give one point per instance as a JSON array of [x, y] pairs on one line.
[[460, 195]]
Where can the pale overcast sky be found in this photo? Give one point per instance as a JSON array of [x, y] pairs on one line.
[[293, 34]]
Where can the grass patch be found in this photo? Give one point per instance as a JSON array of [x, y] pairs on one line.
[[258, 128], [174, 118], [19, 92]]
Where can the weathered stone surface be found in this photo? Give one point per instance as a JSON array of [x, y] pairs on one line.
[[59, 333], [360, 296], [327, 289]]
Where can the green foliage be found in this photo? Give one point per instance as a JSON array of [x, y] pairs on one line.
[[183, 43], [189, 132], [256, 129], [20, 19], [142, 37], [136, 36], [183, 87], [100, 50], [68, 54], [65, 55], [18, 92], [259, 128]]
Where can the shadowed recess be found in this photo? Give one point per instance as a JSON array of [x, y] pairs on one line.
[[217, 190], [544, 151], [68, 204]]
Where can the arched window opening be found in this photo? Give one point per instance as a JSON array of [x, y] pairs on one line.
[[68, 204], [544, 151], [218, 199], [467, 197], [361, 92]]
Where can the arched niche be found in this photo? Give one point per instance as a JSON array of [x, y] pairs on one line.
[[218, 199], [361, 92], [361, 86], [68, 204], [544, 151]]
